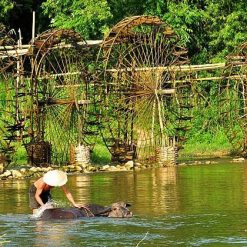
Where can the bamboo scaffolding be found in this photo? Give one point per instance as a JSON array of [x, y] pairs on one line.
[[167, 91], [65, 101], [233, 77], [179, 68], [14, 51]]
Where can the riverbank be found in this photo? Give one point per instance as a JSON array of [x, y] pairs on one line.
[[31, 171]]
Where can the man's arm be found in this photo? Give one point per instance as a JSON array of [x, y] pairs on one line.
[[37, 196], [70, 197]]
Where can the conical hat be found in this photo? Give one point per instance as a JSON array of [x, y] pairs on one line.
[[55, 178]]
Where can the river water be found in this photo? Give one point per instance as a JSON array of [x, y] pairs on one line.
[[203, 205]]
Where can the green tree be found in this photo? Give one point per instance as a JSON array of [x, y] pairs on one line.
[[17, 14], [5, 6], [84, 16], [228, 26], [188, 21]]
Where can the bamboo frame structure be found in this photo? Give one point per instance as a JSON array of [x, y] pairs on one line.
[[236, 78], [139, 97], [60, 93], [140, 56]]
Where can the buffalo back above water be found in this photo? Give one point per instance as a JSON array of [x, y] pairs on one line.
[[116, 210]]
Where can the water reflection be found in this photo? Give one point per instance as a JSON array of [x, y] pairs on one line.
[[81, 188], [156, 191], [149, 191], [14, 196], [52, 233], [245, 185], [210, 188]]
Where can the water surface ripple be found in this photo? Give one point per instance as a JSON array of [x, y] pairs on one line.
[[202, 205]]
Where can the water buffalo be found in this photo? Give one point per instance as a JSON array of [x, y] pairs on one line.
[[116, 210]]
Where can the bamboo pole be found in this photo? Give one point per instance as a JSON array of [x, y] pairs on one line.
[[245, 116], [33, 27], [65, 101], [164, 91], [12, 47], [8, 51], [213, 78], [181, 68]]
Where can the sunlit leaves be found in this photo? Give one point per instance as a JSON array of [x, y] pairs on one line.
[[84, 16]]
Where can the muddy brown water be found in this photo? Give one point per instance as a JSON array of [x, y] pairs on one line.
[[203, 205]]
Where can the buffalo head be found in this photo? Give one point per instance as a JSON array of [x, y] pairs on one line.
[[120, 210]]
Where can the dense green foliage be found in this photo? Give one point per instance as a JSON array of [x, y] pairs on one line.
[[210, 29], [5, 7], [85, 16]]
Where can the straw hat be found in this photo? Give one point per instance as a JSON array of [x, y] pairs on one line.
[[55, 178]]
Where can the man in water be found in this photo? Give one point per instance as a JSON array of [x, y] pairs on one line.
[[39, 192]]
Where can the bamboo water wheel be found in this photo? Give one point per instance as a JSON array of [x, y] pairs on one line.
[[60, 96], [234, 106], [6, 61], [145, 108], [12, 93]]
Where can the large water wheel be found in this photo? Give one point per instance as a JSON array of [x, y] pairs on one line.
[[142, 94], [12, 92], [235, 106], [60, 99]]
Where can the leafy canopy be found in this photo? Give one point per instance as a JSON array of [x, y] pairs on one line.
[[85, 16], [5, 7]]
